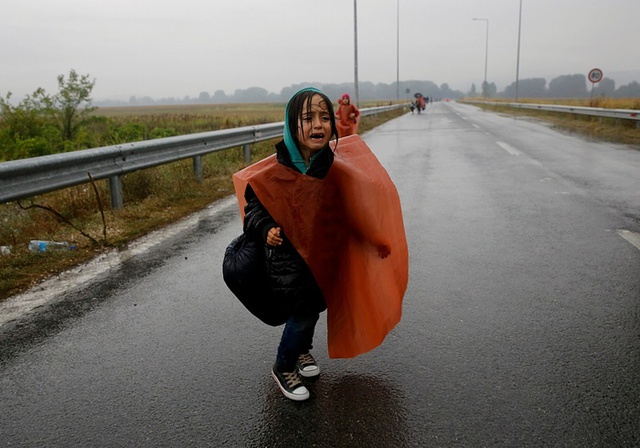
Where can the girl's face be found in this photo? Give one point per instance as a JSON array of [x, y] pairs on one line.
[[315, 132]]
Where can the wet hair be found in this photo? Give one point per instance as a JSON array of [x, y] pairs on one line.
[[295, 106]]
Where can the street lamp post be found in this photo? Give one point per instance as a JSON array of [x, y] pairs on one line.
[[486, 59], [518, 58]]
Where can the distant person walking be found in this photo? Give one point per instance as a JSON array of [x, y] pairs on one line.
[[348, 117], [420, 102]]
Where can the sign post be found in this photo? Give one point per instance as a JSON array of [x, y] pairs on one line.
[[595, 76]]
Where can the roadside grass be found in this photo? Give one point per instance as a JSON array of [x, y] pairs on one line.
[[153, 198], [613, 130]]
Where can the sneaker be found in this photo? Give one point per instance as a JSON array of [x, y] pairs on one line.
[[307, 366], [290, 384]]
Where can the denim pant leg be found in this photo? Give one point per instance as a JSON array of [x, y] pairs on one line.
[[297, 338]]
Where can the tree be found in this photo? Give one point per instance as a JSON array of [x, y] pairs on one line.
[[445, 91], [73, 93], [527, 88], [490, 89], [204, 98], [26, 119], [219, 96], [27, 129], [44, 124], [606, 87], [251, 95], [631, 90], [568, 86], [473, 92]]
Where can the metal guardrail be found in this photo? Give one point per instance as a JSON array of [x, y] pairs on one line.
[[626, 114], [25, 178]]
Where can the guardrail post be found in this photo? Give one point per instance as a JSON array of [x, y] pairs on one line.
[[197, 168], [115, 186], [247, 154]]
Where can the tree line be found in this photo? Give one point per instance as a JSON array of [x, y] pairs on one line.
[[367, 91], [566, 86]]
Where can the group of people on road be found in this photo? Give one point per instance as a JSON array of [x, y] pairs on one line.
[[420, 103], [330, 219]]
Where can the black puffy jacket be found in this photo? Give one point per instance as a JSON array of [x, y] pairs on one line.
[[289, 274]]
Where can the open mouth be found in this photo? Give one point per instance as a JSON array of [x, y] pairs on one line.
[[316, 136]]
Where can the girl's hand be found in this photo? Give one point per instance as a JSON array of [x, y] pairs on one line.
[[273, 236]]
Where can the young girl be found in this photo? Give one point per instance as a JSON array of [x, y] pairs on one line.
[[325, 239], [348, 115], [309, 126]]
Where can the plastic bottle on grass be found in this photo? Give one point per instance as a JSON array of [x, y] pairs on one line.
[[44, 246]]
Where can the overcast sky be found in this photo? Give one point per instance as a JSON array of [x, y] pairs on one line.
[[167, 48]]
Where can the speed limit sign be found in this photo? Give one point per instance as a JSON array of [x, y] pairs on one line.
[[595, 75]]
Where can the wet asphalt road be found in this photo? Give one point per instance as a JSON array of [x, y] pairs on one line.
[[521, 322]]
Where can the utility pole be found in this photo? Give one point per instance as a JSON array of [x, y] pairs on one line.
[[486, 59], [518, 58], [398, 53]]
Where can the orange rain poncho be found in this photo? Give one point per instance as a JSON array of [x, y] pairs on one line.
[[339, 225], [345, 124]]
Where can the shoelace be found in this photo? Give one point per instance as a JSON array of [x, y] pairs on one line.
[[306, 359], [292, 379]]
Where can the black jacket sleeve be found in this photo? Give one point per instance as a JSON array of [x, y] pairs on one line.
[[289, 276], [257, 220]]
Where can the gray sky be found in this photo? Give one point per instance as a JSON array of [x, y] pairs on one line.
[[168, 48]]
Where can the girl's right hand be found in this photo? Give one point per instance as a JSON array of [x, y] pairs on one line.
[[273, 236]]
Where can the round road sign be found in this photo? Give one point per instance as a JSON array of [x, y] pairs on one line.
[[595, 75]]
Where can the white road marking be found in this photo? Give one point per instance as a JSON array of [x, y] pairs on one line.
[[510, 149], [475, 126], [633, 238]]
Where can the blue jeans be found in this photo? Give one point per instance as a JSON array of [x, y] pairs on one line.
[[297, 338]]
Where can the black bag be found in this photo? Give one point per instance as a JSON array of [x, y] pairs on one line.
[[244, 270]]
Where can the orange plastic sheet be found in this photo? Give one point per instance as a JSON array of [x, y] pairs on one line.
[[342, 226]]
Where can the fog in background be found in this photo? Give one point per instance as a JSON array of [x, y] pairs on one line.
[[164, 48]]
